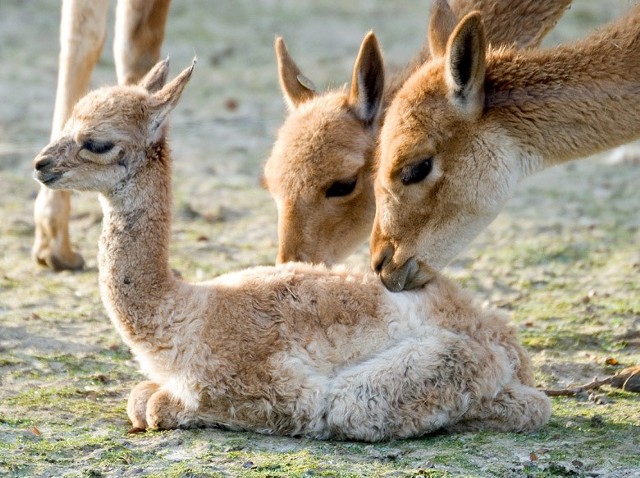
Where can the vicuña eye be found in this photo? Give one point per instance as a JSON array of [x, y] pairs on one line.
[[417, 172], [96, 147], [341, 188]]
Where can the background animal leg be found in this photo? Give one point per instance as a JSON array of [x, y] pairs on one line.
[[82, 33], [138, 39]]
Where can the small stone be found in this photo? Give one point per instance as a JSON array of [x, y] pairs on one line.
[[231, 104]]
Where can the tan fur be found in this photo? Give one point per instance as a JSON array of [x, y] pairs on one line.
[[298, 349], [83, 29], [325, 139], [517, 113]]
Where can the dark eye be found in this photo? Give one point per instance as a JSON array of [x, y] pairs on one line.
[[96, 147], [341, 188], [417, 172]]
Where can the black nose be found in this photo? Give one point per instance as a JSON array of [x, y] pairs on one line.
[[42, 163]]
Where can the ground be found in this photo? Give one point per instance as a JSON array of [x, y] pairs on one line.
[[562, 258]]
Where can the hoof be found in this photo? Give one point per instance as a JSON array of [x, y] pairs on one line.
[[71, 261]]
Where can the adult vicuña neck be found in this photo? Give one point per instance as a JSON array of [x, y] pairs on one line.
[[571, 101]]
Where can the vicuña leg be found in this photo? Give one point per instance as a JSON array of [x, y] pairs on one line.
[[149, 406], [82, 32], [140, 28], [137, 404], [516, 408], [164, 412], [426, 383], [138, 39]]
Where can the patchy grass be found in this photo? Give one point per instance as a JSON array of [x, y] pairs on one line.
[[563, 259]]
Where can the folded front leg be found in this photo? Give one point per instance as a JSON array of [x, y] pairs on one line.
[[517, 408], [137, 404], [152, 407]]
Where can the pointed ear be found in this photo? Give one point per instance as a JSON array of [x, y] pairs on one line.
[[163, 101], [156, 77], [296, 87], [465, 64], [367, 82], [442, 22]]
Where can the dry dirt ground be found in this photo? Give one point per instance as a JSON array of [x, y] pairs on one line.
[[563, 258]]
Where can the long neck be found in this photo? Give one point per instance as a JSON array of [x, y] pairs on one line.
[[133, 257], [572, 101], [520, 24]]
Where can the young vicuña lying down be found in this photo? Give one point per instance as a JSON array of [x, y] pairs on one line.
[[295, 350]]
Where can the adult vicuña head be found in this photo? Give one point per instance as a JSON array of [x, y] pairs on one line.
[[470, 124]]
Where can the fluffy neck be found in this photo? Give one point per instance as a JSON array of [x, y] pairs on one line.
[[133, 256], [572, 101]]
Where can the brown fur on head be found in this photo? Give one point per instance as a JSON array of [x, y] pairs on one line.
[[417, 187], [471, 123], [109, 134], [320, 166], [83, 29]]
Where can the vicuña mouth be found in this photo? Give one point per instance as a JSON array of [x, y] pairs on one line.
[[46, 178], [418, 277], [409, 276]]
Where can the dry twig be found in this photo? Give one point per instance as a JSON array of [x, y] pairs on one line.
[[625, 379], [570, 392]]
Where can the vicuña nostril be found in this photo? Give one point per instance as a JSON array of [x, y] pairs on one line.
[[380, 260], [42, 163]]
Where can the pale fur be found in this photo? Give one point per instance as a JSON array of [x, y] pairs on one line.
[[139, 32], [296, 350], [325, 139], [528, 110]]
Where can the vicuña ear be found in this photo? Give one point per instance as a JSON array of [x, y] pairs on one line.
[[367, 82], [296, 87], [442, 22], [465, 64], [164, 100], [156, 76]]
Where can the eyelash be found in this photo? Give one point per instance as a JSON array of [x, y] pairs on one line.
[[97, 148], [416, 173], [341, 188]]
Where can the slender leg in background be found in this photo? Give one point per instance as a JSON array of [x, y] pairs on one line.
[[138, 39], [82, 33], [140, 26]]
